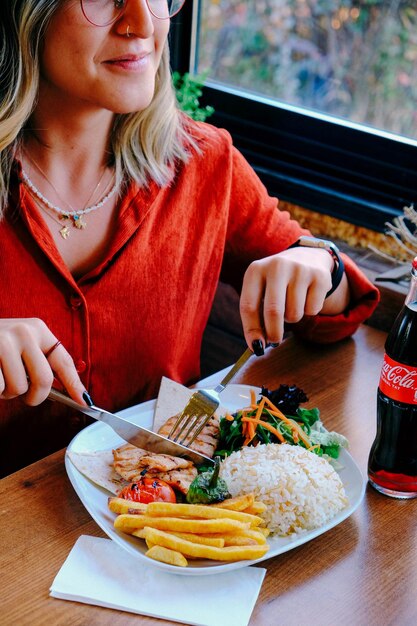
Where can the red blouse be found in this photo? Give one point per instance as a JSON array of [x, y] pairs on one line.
[[141, 313]]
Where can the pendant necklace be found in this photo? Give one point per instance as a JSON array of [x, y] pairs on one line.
[[75, 216], [64, 231]]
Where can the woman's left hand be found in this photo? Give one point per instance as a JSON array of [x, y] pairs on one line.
[[284, 288]]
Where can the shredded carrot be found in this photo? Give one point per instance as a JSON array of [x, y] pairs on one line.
[[284, 418], [277, 411], [249, 423], [260, 408], [294, 426], [229, 417], [295, 435], [251, 430], [266, 425], [246, 432]]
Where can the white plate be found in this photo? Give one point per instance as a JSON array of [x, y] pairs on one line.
[[99, 436]]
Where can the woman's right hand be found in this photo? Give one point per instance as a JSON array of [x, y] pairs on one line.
[[25, 370]]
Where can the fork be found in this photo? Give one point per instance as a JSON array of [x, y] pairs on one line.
[[201, 407]]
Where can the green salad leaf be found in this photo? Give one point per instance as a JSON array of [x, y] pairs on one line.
[[286, 423]]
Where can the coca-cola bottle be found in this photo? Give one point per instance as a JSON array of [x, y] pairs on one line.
[[392, 466]]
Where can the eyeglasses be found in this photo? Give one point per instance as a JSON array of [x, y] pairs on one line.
[[105, 12]]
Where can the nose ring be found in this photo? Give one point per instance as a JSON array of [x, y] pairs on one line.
[[127, 31]]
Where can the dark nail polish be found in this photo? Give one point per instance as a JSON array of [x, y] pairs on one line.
[[87, 398], [274, 345], [257, 347]]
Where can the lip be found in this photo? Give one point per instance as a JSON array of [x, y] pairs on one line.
[[129, 61]]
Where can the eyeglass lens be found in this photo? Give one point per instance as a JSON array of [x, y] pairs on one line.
[[104, 12]]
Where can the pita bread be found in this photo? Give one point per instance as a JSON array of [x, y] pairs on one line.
[[172, 398], [98, 467]]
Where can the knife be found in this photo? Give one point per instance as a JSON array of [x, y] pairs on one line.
[[132, 433]]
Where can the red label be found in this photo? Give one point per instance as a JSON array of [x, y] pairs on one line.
[[398, 381]]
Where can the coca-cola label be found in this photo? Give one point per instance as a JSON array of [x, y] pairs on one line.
[[398, 381]]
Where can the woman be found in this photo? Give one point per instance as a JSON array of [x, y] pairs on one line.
[[119, 215]]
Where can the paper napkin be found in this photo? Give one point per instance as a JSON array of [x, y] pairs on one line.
[[98, 571]]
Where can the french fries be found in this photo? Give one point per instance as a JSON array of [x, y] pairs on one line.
[[159, 553], [217, 542], [176, 533], [188, 548], [256, 508], [127, 521], [254, 536], [201, 511], [246, 503], [239, 503], [120, 505]]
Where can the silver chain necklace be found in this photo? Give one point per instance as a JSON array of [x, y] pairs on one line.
[[63, 212]]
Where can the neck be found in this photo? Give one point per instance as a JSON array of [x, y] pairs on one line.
[[72, 155], [73, 133], [77, 148]]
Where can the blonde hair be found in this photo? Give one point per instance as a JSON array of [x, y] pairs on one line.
[[146, 145]]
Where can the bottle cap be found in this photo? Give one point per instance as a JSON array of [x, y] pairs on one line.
[[414, 263]]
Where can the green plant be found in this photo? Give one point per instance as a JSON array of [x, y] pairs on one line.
[[188, 89]]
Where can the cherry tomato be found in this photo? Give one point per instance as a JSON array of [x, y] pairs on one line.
[[148, 490]]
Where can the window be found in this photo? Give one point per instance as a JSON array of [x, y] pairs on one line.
[[319, 95], [355, 59]]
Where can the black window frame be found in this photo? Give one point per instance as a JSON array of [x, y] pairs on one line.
[[353, 173]]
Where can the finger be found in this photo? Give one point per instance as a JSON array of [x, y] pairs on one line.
[[40, 376], [48, 353], [14, 375], [296, 298], [274, 305], [250, 304], [63, 366], [315, 298]]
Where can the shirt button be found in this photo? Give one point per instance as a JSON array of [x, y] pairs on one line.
[[75, 301], [81, 366]]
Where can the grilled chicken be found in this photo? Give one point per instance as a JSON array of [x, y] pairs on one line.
[[130, 462], [179, 479], [126, 461], [205, 443]]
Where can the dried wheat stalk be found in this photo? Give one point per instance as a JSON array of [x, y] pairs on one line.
[[403, 231]]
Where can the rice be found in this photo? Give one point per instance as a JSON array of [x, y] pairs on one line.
[[301, 490]]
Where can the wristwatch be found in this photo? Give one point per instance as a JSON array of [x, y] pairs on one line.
[[313, 242]]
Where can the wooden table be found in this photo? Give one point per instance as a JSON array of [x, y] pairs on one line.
[[362, 572]]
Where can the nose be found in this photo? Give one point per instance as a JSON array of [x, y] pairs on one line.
[[136, 20]]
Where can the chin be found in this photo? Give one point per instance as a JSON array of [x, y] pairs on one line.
[[128, 111], [131, 106]]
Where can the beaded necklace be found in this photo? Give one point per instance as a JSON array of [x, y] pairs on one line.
[[76, 216]]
